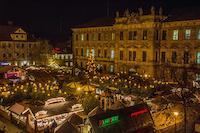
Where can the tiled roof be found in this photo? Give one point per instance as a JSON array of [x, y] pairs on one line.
[[99, 22], [5, 31]]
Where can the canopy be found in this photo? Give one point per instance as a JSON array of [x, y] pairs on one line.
[[88, 88], [74, 85], [113, 88]]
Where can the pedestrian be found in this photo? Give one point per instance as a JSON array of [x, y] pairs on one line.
[[5, 130]]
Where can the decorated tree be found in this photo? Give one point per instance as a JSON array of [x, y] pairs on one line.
[[91, 67]]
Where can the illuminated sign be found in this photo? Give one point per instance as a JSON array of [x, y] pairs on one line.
[[5, 63], [108, 121], [12, 74], [135, 114], [56, 50]]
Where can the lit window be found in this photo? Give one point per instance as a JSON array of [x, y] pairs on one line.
[[93, 52], [175, 34], [71, 63], [111, 68], [187, 34], [198, 34], [198, 58], [197, 77], [113, 36], [144, 35], [93, 37], [112, 54], [82, 37], [62, 56], [87, 52]]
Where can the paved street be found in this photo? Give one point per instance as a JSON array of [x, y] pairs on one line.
[[10, 127], [192, 116]]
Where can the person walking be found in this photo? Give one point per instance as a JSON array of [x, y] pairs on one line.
[[5, 130]]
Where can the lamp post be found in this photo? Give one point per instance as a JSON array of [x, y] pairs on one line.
[[175, 114]]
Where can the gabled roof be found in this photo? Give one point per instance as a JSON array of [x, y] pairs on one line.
[[18, 108], [66, 127], [95, 111], [75, 119], [99, 22], [6, 30]]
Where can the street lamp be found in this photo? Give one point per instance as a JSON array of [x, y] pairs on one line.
[[175, 114]]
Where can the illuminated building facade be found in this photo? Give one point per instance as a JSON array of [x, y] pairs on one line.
[[18, 48], [62, 57], [150, 43]]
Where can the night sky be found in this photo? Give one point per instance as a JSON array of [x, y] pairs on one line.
[[53, 19]]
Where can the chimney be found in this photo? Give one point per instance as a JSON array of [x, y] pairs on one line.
[[10, 22]]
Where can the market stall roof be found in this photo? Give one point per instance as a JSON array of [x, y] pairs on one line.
[[88, 88], [54, 109], [74, 85], [96, 110], [113, 88], [18, 108], [76, 119], [66, 127]]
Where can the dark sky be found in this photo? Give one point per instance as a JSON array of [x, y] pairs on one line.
[[53, 19]]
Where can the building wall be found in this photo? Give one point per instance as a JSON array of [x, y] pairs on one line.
[[159, 49], [63, 59], [22, 51]]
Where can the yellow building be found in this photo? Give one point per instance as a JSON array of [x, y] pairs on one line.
[[152, 44], [18, 48]]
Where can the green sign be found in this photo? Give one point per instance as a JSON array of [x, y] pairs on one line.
[[108, 121]]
